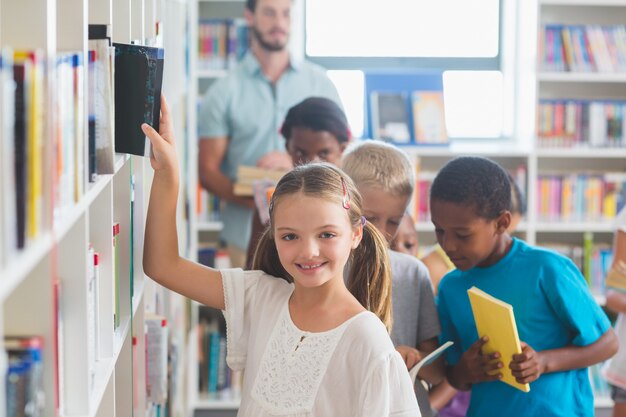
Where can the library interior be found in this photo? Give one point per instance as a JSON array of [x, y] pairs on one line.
[[253, 89]]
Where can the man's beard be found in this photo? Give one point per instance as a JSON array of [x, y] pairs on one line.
[[270, 47]]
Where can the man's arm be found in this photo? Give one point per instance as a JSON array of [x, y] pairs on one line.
[[211, 153]]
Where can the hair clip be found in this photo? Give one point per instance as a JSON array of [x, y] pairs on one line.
[[345, 202], [363, 220]]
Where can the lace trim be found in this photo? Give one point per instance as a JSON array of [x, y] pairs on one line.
[[293, 365]]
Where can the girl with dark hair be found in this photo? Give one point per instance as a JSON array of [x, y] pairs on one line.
[[315, 130]]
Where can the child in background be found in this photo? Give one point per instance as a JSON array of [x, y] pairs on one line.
[[561, 328], [315, 130], [384, 175], [405, 240], [306, 341], [615, 370]]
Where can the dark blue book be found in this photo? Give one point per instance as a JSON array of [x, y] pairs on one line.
[[138, 82]]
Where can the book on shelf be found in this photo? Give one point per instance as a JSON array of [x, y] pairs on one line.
[[24, 379], [390, 116], [221, 43], [28, 69], [156, 358], [494, 318], [616, 277], [428, 359], [8, 232], [248, 175], [101, 101], [116, 275], [70, 177], [91, 315], [138, 83], [582, 48], [429, 121]]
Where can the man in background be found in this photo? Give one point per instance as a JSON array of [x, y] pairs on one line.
[[241, 114]]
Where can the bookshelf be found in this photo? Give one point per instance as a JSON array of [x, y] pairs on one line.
[[48, 291]]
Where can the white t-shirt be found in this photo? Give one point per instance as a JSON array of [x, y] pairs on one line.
[[349, 371]]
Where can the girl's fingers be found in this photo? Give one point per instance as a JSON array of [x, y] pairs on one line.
[[165, 122], [152, 134]]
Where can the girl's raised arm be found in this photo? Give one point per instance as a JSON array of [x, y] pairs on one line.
[[161, 260]]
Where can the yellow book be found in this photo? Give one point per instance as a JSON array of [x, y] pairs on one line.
[[495, 318], [247, 175]]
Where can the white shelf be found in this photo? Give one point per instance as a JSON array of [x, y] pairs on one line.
[[209, 226], [576, 3], [207, 404], [23, 263], [600, 298], [495, 147], [105, 367], [584, 77], [583, 153], [214, 73], [575, 227], [603, 402]]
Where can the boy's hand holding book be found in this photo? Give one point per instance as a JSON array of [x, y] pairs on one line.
[[476, 366], [527, 366]]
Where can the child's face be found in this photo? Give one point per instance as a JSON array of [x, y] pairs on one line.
[[313, 238], [306, 145], [468, 239], [406, 238], [383, 209]]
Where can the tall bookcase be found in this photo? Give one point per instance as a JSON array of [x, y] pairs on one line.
[[44, 286], [581, 74]]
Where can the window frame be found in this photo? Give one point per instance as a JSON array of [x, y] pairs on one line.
[[440, 63]]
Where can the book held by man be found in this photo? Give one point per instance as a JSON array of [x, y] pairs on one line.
[[495, 319]]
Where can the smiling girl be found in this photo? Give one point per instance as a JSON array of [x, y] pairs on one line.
[[307, 342]]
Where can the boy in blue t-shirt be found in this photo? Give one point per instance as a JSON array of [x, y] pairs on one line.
[[561, 328]]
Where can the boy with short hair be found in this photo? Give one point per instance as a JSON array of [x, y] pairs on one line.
[[385, 177], [561, 328]]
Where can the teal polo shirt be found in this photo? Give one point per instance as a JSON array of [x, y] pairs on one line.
[[248, 109]]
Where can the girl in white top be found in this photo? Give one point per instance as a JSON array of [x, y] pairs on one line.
[[307, 343]]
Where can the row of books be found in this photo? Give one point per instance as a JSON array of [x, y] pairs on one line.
[[24, 376], [221, 43], [22, 121], [208, 206], [122, 89], [575, 123], [215, 379], [404, 117], [580, 197], [582, 48], [593, 259], [419, 206]]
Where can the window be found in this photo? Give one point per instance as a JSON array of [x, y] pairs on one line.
[[350, 36]]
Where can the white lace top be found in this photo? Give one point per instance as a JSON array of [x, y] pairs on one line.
[[349, 371]]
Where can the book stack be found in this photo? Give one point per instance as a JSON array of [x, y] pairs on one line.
[[247, 176]]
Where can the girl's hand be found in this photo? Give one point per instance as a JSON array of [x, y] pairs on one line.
[[527, 366], [410, 355], [163, 142], [479, 367]]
